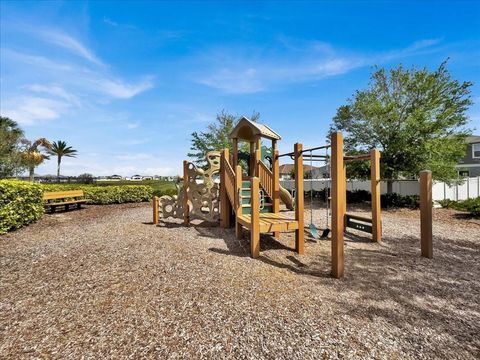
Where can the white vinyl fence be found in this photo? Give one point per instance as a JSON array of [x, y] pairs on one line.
[[470, 188]]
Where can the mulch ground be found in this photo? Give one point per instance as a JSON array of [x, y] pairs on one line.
[[104, 282]]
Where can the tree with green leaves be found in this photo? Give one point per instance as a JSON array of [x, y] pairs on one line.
[[35, 153], [10, 143], [216, 137], [416, 118], [60, 149]]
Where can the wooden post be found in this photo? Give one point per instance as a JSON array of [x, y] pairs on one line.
[[235, 153], [276, 183], [258, 153], [255, 218], [426, 242], [338, 204], [238, 201], [225, 206], [251, 170], [186, 209], [299, 214], [155, 210], [375, 190]]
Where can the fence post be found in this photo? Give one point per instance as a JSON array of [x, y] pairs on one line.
[[375, 193], [255, 218], [186, 209], [238, 201], [426, 243], [338, 204], [155, 210], [299, 211]]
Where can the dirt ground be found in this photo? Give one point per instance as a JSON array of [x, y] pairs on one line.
[[103, 282]]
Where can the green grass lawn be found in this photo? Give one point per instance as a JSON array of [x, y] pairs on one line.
[[160, 187]]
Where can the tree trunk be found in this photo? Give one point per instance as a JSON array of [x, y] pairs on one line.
[[389, 186], [31, 173], [58, 168]]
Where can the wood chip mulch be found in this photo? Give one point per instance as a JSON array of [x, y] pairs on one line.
[[103, 282]]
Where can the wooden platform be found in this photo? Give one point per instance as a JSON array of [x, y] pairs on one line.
[[270, 222]]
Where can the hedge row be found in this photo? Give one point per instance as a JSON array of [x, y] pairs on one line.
[[471, 205], [102, 195], [20, 204], [360, 196]]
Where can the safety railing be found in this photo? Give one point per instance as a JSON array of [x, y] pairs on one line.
[[229, 180], [266, 179]]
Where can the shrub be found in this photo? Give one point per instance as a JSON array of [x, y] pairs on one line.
[[471, 205], [85, 178], [20, 204], [396, 200], [103, 195], [161, 192]]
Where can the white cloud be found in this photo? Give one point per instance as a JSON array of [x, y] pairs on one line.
[[119, 89], [63, 40], [109, 21], [74, 77], [28, 110], [54, 90], [247, 70], [35, 60]]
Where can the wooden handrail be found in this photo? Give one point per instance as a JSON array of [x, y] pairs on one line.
[[229, 181], [266, 178]]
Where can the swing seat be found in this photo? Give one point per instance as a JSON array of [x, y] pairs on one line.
[[314, 231]]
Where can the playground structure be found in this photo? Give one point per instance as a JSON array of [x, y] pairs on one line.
[[250, 197]]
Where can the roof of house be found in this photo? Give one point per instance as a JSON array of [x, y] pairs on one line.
[[473, 139], [288, 168], [247, 129]]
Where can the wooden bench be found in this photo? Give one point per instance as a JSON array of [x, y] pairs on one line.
[[64, 198]]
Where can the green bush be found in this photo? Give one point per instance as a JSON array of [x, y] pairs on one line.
[[363, 196], [471, 205], [161, 192], [103, 195], [20, 203]]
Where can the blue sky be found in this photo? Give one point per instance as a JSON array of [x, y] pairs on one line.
[[126, 83]]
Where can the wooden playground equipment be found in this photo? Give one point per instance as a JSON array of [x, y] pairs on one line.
[[250, 197]]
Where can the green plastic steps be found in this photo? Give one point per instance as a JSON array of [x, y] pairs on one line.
[[246, 200]]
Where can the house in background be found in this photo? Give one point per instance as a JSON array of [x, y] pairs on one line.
[[469, 166], [286, 171]]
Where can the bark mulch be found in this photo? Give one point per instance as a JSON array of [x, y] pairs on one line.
[[103, 282]]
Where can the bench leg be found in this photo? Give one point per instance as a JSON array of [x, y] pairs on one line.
[[67, 207], [79, 205]]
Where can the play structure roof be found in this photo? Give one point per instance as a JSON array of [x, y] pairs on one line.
[[247, 129]]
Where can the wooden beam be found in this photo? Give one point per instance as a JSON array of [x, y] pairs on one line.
[[375, 191], [235, 153], [276, 183], [238, 201], [426, 234], [255, 215], [299, 211], [225, 206], [155, 210], [258, 153], [338, 204], [251, 165], [186, 209]]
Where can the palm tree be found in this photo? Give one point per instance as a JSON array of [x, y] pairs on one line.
[[61, 149], [33, 155], [10, 141]]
